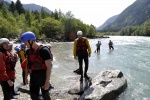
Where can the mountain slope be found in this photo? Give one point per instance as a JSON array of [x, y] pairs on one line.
[[135, 14], [33, 7], [107, 22], [9, 1]]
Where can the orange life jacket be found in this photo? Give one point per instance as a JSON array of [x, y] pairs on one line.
[[10, 64], [24, 64], [3, 73], [81, 44], [35, 62]]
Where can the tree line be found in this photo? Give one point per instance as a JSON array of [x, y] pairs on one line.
[[15, 20], [139, 30]]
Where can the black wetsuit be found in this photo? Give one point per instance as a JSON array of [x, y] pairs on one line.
[[38, 77]]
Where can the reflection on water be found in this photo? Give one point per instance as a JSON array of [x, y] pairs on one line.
[[130, 55]]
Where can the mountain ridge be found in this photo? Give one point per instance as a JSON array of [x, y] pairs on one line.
[[32, 6], [135, 14], [107, 22]]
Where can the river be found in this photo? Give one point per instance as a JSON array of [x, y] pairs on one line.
[[131, 55]]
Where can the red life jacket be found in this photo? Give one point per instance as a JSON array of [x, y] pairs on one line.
[[35, 62], [81, 44], [10, 64]]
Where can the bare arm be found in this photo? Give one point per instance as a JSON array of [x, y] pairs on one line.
[[48, 73]]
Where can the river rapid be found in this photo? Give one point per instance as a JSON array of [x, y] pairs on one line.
[[131, 55]]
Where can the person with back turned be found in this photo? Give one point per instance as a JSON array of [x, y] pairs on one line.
[[82, 50], [98, 47], [110, 45]]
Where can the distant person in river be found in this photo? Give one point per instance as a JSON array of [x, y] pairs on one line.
[[110, 45], [98, 47], [82, 50]]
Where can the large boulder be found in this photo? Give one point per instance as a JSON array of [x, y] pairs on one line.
[[80, 87], [106, 86]]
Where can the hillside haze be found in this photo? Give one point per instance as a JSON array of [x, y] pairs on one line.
[[135, 14], [107, 22], [31, 7]]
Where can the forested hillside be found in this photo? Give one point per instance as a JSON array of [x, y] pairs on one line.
[[14, 20], [107, 22], [135, 14]]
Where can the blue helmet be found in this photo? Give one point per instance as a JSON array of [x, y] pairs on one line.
[[17, 48], [22, 45], [28, 36]]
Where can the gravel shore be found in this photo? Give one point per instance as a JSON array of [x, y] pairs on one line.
[[56, 94]]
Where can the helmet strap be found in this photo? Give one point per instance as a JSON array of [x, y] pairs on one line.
[[30, 45]]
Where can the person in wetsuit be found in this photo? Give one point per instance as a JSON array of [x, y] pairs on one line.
[[82, 50], [38, 65]]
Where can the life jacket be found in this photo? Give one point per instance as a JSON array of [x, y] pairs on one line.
[[35, 62], [98, 45], [81, 44], [24, 64], [110, 43], [10, 64], [20, 54], [3, 73]]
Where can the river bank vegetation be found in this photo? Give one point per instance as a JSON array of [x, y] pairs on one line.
[[14, 20], [139, 30]]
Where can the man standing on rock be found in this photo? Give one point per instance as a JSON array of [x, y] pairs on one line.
[[82, 50], [39, 66]]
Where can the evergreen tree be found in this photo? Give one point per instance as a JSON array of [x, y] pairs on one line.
[[12, 7], [43, 13], [5, 11], [56, 16], [28, 17], [37, 15], [1, 4], [19, 7]]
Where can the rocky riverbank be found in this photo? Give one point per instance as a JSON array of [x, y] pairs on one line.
[[105, 86], [48, 40]]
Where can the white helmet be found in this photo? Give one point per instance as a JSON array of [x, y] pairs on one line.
[[10, 43], [2, 40], [79, 33]]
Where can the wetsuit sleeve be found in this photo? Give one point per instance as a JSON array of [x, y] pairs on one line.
[[3, 74], [74, 47], [88, 45], [45, 53]]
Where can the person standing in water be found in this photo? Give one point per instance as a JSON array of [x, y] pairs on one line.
[[110, 45], [82, 50], [98, 47]]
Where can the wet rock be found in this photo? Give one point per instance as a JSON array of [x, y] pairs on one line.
[[80, 87], [106, 86]]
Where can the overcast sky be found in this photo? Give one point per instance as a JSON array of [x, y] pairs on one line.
[[94, 12]]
